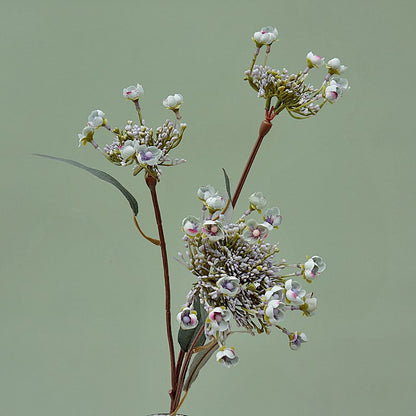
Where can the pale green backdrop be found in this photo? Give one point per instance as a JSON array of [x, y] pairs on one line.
[[81, 309]]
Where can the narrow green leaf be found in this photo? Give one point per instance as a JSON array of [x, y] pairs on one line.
[[199, 360], [100, 175], [227, 184], [186, 336]]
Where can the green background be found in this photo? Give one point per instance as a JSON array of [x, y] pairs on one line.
[[81, 303]]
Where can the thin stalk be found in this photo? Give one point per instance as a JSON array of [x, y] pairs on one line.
[[265, 127], [181, 379], [151, 183]]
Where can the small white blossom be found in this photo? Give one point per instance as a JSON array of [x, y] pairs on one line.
[[213, 230], [173, 102], [313, 268], [187, 318], [227, 357], [334, 66], [266, 36], [257, 201], [272, 313], [86, 135], [296, 339], [310, 305], [314, 60], [274, 293], [272, 218], [219, 318], [215, 203], [96, 119], [148, 155], [255, 231], [129, 148], [191, 226], [294, 292], [228, 285], [204, 192], [133, 92]]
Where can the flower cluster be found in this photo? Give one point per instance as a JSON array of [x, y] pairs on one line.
[[291, 91], [137, 144], [238, 275]]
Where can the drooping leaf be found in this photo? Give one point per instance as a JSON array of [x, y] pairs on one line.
[[100, 175], [199, 360], [227, 184], [186, 336]]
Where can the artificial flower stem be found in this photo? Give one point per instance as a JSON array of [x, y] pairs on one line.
[[265, 127], [181, 379], [137, 105], [152, 240], [151, 183]]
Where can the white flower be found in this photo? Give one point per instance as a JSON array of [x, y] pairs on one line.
[[86, 135], [255, 232], [133, 92], [257, 201], [334, 66], [266, 36], [274, 293], [219, 318], [313, 268], [213, 230], [191, 226], [227, 357], [296, 339], [272, 313], [128, 149], [96, 119], [206, 191], [187, 318], [148, 155], [314, 60], [215, 203], [173, 102], [310, 305], [294, 292], [228, 285], [272, 218], [337, 87]]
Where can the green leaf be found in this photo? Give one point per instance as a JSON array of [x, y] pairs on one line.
[[227, 184], [186, 336], [100, 175], [199, 360]]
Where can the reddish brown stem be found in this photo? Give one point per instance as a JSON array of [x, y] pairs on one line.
[[151, 183], [265, 127], [181, 379]]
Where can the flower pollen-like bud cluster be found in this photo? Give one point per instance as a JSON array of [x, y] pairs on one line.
[[291, 91], [137, 144], [238, 275]]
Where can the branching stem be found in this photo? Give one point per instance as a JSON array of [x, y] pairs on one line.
[[151, 183]]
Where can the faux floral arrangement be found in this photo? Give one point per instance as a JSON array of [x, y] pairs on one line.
[[240, 284]]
